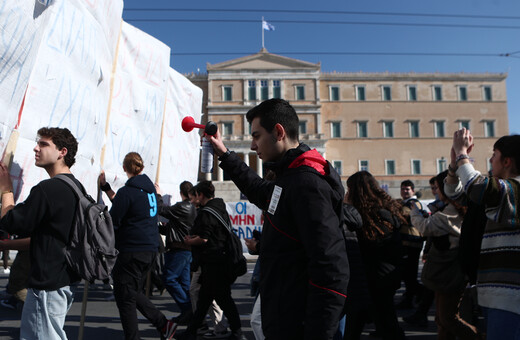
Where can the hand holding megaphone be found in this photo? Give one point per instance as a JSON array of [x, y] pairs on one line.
[[188, 124], [211, 128]]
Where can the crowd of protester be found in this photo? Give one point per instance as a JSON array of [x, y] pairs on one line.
[[328, 261]]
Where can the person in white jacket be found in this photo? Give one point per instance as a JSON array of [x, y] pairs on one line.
[[444, 228]]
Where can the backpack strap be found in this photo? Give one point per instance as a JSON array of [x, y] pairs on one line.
[[79, 192], [217, 215]]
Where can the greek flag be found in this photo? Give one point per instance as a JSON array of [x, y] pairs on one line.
[[267, 26]]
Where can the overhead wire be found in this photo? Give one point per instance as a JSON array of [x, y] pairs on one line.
[[424, 54], [447, 25], [436, 15], [327, 22]]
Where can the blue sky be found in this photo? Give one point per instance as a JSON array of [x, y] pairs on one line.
[[490, 28]]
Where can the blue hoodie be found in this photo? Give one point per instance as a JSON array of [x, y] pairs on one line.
[[134, 213]]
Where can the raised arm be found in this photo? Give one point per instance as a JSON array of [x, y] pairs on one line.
[[257, 190], [105, 187]]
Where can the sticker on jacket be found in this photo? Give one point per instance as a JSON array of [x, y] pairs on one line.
[[275, 198]]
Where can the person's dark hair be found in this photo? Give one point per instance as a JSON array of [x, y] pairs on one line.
[[369, 198], [276, 111], [440, 184], [408, 183], [509, 146], [133, 163], [63, 138], [185, 188], [205, 188], [192, 191], [432, 180]]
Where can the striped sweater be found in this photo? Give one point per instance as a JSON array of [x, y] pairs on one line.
[[498, 282]]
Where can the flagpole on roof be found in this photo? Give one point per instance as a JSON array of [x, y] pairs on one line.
[[262, 28]]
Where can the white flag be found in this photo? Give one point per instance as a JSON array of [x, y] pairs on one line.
[[267, 26]]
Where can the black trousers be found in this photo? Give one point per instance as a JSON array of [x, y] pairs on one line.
[[129, 276], [215, 285], [385, 317], [410, 270]]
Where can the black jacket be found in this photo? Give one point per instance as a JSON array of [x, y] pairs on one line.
[[180, 217], [357, 291], [383, 257], [134, 214], [304, 272], [210, 228]]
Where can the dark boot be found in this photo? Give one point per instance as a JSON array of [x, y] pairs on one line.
[[185, 336], [184, 318], [237, 335], [416, 319]]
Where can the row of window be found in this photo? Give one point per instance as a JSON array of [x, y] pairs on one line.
[[390, 166], [386, 93], [388, 128], [274, 91], [439, 127]]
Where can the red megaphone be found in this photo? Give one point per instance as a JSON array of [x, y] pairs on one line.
[[188, 123]]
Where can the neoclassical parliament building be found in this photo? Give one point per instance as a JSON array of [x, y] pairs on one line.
[[397, 126]]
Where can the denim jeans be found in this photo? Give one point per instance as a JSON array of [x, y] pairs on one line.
[[256, 320], [176, 274], [502, 324], [340, 333], [44, 311]]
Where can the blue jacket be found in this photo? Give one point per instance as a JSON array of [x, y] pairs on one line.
[[134, 214]]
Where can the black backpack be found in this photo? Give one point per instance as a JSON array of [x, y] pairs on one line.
[[234, 250], [91, 249]]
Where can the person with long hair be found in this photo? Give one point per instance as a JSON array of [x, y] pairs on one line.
[[444, 228], [134, 214], [381, 248]]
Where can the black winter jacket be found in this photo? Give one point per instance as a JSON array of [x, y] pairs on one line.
[[210, 228], [180, 217], [134, 214], [305, 271]]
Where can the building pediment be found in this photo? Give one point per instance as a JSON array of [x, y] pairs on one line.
[[263, 60]]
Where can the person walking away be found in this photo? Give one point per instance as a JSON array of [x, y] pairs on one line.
[[442, 272], [381, 248], [134, 215], [177, 259]]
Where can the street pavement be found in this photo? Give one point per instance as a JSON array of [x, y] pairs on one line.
[[102, 317]]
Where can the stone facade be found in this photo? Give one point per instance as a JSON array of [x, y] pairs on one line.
[[396, 125]]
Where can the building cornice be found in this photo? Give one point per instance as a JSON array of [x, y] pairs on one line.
[[411, 76], [263, 60]]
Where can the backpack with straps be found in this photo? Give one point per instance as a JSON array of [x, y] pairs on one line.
[[91, 249], [233, 250]]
